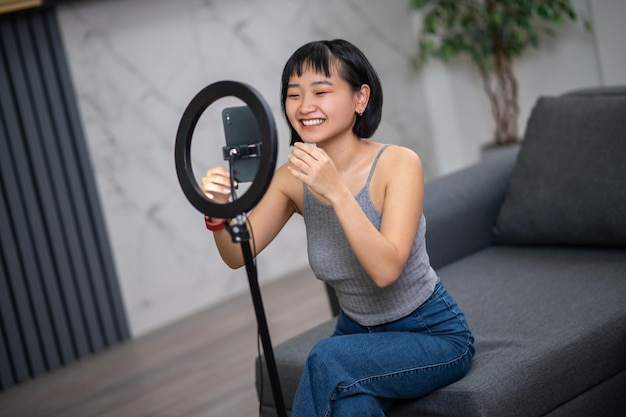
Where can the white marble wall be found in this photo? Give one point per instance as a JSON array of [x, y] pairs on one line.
[[136, 64]]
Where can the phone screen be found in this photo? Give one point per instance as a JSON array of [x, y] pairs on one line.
[[241, 128]]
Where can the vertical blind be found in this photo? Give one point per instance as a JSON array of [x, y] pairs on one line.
[[59, 295]]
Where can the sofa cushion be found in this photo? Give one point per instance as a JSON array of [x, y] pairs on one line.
[[569, 182], [549, 324]]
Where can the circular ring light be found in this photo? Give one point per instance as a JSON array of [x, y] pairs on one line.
[[269, 148]]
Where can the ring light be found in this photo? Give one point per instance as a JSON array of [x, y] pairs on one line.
[[269, 149]]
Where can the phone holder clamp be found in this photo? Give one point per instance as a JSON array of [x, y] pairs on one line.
[[247, 151]]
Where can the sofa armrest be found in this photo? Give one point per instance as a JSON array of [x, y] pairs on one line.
[[461, 207]]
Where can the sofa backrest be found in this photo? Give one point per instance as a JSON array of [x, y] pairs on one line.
[[568, 186]]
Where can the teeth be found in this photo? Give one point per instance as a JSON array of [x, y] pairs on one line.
[[313, 122]]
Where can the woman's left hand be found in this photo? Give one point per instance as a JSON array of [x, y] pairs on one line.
[[313, 166]]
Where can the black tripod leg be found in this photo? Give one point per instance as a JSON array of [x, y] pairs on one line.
[[263, 329]]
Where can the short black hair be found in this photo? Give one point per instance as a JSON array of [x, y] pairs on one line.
[[353, 67]]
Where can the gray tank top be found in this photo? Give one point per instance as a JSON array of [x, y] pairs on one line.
[[333, 261]]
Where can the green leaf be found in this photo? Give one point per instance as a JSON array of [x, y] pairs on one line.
[[448, 51], [431, 25], [482, 29], [418, 4]]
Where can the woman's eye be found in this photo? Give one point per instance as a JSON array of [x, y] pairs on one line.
[[293, 95], [321, 93]]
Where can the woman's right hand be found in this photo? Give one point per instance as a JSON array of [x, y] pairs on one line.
[[216, 184]]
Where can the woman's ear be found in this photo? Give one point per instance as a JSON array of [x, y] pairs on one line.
[[362, 98]]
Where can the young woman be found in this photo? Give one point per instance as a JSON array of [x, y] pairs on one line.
[[399, 333]]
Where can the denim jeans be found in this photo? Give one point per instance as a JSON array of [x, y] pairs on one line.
[[360, 370]]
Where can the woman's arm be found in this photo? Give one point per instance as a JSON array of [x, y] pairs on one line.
[[383, 254], [399, 183], [266, 219]]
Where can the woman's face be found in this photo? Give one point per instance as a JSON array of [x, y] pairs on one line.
[[321, 108]]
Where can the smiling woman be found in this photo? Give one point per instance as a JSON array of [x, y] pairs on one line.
[[310, 101], [338, 61], [361, 202]]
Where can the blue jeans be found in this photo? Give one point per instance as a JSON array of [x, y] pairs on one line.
[[360, 370]]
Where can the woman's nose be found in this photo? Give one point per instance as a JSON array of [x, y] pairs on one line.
[[307, 105]]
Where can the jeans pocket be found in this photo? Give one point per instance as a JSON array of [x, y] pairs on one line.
[[442, 316]]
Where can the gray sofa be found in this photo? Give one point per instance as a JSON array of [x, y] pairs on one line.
[[532, 244]]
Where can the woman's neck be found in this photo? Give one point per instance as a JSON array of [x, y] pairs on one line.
[[344, 153]]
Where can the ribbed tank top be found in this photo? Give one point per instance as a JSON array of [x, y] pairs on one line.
[[333, 261]]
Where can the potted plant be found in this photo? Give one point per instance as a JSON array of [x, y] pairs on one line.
[[492, 33]]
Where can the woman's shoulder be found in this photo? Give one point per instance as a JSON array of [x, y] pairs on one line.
[[400, 167], [398, 176], [395, 157]]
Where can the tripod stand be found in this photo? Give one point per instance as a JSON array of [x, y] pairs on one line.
[[239, 233]]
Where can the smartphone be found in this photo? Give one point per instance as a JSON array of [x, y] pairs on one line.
[[242, 132]]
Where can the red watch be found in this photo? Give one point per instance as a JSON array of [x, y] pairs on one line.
[[214, 226]]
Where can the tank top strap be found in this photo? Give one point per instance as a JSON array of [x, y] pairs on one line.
[[369, 176]]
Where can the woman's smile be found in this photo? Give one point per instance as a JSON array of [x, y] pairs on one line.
[[313, 122]]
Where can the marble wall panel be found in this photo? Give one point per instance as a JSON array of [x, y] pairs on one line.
[[136, 64]]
